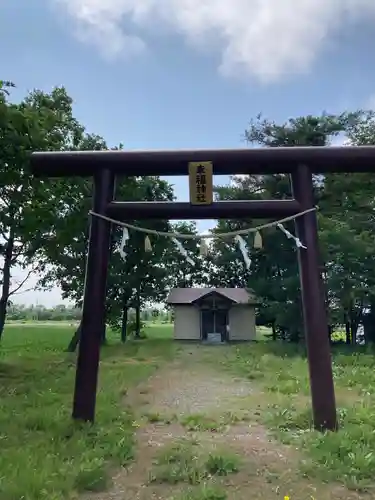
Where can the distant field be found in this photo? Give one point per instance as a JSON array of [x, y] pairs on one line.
[[159, 329], [42, 323], [67, 323], [57, 334], [72, 324]]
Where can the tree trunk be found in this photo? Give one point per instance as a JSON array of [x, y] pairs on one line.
[[137, 332], [103, 340], [282, 333], [274, 332], [124, 321], [75, 339], [9, 247], [348, 338], [354, 324], [369, 325], [354, 337], [73, 344], [294, 336], [330, 331], [3, 313], [138, 315], [353, 333]]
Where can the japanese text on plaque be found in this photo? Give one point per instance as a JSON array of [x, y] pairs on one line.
[[201, 183]]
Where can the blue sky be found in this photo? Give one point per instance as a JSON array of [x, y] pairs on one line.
[[188, 73]]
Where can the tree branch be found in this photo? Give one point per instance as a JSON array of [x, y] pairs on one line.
[[23, 291], [3, 235], [21, 284]]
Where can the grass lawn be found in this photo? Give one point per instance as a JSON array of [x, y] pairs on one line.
[[283, 404], [44, 456]]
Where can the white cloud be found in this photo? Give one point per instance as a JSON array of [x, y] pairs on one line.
[[100, 25], [110, 40], [266, 39]]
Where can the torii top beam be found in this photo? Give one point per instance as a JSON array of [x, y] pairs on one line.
[[321, 159]]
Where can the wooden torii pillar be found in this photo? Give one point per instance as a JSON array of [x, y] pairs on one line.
[[299, 162], [313, 304]]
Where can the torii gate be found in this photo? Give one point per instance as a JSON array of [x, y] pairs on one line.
[[299, 162]]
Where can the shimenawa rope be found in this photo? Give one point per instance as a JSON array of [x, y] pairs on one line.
[[229, 234], [175, 236]]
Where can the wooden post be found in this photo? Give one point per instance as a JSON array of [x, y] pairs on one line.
[[93, 311], [314, 311]]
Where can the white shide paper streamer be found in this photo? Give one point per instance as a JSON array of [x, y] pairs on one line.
[[183, 251], [291, 236], [244, 250], [124, 240], [175, 235]]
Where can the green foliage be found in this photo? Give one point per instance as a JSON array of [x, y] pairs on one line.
[[4, 86]]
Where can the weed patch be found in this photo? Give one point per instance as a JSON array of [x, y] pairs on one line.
[[205, 492], [201, 422], [154, 417], [222, 464], [184, 462], [94, 480]]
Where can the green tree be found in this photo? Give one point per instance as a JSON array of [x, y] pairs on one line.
[[30, 206], [131, 283], [345, 216], [181, 272], [347, 221], [141, 278]]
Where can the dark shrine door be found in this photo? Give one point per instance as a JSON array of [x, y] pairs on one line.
[[214, 321], [207, 322]]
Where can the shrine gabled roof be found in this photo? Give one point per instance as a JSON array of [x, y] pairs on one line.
[[190, 295]]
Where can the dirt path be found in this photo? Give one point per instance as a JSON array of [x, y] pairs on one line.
[[189, 410]]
